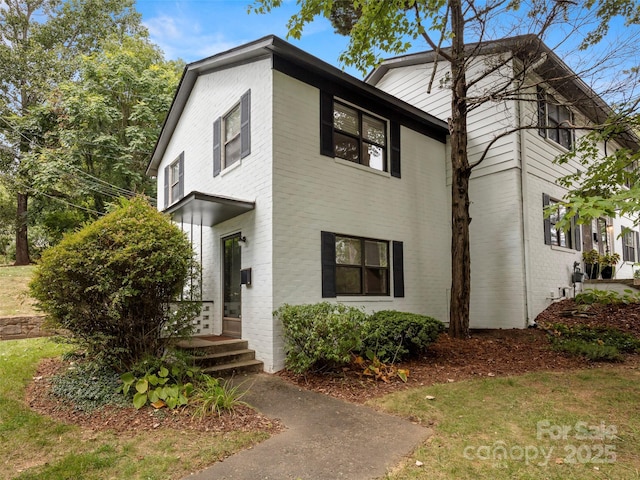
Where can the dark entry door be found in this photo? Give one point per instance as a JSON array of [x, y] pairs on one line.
[[232, 304]]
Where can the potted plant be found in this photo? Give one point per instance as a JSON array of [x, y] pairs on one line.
[[591, 263], [636, 274], [608, 263]]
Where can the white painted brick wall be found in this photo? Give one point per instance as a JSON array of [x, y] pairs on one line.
[[212, 96], [313, 193]]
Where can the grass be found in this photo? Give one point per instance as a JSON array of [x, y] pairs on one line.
[[14, 298], [504, 428], [34, 447]]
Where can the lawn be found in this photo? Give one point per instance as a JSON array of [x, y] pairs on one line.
[[573, 425], [34, 447], [14, 298]]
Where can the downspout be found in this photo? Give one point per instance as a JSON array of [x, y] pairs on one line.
[[523, 213]]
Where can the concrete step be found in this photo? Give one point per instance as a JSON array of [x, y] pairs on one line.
[[198, 346], [213, 359], [228, 369]]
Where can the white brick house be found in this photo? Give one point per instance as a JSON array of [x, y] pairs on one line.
[[250, 155], [298, 183]]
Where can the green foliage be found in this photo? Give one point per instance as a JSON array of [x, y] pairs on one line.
[[394, 336], [594, 352], [158, 388], [621, 341], [320, 336], [592, 256], [112, 284], [607, 297], [213, 398], [88, 385]]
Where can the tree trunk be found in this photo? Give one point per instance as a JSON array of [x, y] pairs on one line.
[[460, 219], [22, 243]]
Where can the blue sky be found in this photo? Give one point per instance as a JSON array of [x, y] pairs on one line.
[[195, 29]]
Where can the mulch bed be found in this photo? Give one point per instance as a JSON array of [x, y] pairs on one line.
[[129, 420], [488, 353]]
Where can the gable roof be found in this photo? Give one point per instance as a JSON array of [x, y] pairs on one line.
[[294, 62], [535, 53]]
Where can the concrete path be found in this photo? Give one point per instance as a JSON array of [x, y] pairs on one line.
[[325, 439]]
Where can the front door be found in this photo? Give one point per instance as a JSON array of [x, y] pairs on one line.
[[231, 320]]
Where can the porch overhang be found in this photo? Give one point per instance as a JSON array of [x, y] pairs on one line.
[[198, 208]]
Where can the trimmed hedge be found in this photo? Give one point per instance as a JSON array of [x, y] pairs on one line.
[[394, 336], [320, 336], [325, 336]]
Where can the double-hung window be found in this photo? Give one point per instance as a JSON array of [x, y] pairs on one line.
[[629, 245], [232, 135], [553, 234], [361, 266], [554, 120], [174, 181], [359, 137], [355, 135]]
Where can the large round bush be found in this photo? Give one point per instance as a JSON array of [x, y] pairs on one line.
[[111, 284], [394, 336]]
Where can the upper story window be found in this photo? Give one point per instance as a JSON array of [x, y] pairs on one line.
[[359, 138], [553, 120], [174, 181], [349, 133], [554, 235], [232, 135]]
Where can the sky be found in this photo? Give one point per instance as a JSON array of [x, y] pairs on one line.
[[196, 29]]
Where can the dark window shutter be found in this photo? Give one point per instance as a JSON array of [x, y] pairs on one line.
[[637, 247], [245, 124], [180, 176], [166, 186], [547, 220], [398, 269], [395, 149], [575, 232], [326, 124], [217, 147], [328, 253]]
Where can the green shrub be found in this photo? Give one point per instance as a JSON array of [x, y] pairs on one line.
[[111, 284], [88, 385], [610, 337], [394, 336], [607, 297], [320, 336], [593, 351]]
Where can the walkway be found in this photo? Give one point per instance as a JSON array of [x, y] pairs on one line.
[[325, 439]]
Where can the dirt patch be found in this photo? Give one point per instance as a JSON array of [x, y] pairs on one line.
[[487, 353], [130, 420]]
